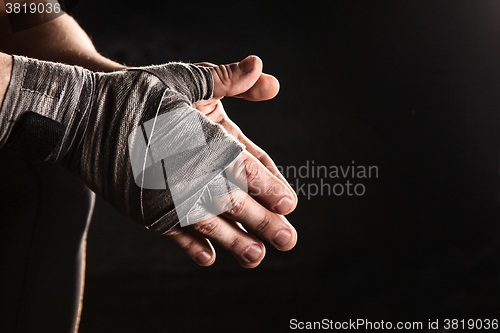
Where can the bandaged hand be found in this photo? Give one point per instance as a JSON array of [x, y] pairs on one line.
[[90, 124]]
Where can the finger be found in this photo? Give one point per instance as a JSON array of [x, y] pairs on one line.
[[266, 87], [271, 227], [217, 114], [266, 161], [194, 245], [247, 250], [250, 175], [243, 79], [236, 78]]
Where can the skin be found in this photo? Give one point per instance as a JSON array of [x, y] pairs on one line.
[[258, 214]]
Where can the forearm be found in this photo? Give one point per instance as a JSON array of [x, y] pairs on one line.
[[59, 40]]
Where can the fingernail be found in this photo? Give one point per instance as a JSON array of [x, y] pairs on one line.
[[246, 65], [252, 253], [282, 237], [284, 206], [203, 258]]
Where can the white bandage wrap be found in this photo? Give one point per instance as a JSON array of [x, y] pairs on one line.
[[131, 136], [173, 151]]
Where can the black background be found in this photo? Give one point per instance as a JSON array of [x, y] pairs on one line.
[[411, 87]]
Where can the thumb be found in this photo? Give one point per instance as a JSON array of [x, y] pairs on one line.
[[244, 79]]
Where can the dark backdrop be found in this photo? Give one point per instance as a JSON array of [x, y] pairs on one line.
[[411, 87]]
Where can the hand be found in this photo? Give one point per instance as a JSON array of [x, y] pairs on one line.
[[270, 197]]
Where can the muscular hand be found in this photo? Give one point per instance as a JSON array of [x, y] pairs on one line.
[[88, 123], [260, 212]]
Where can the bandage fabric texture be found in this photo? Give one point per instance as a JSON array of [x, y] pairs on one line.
[[83, 120]]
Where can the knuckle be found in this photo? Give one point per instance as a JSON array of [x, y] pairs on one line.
[[260, 154], [178, 237], [275, 190], [208, 227], [224, 73], [234, 244], [272, 190], [237, 204], [190, 246], [236, 173], [176, 233], [252, 170], [263, 224]]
